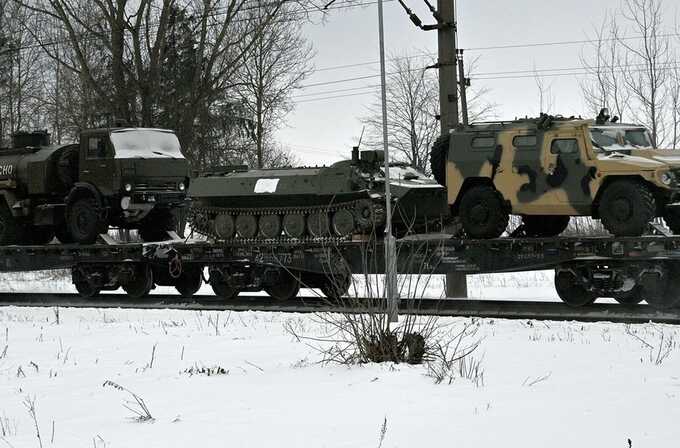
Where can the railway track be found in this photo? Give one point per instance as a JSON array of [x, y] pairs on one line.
[[501, 309]]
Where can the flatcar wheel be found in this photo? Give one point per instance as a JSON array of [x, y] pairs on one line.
[[343, 223], [663, 293], [570, 291], [86, 290], [270, 226], [294, 225], [317, 224], [9, 229], [246, 226], [222, 286], [632, 297], [337, 278], [286, 288], [142, 282], [189, 282], [224, 226]]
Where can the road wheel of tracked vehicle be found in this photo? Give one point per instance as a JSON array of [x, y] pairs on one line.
[[270, 226], [317, 224], [483, 213], [246, 226], [189, 281], [86, 290], [222, 286], [438, 157], [343, 223], [672, 218], [536, 226], [10, 231], [84, 220], [570, 291], [294, 225], [367, 215], [286, 288], [157, 224], [626, 208], [38, 235], [142, 282], [225, 226]]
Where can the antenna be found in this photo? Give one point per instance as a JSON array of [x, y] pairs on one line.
[[361, 137]]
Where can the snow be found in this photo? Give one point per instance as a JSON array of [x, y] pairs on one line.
[[545, 384]]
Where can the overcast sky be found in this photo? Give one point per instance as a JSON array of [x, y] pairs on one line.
[[322, 129]]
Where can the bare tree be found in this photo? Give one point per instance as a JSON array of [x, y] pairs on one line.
[[273, 68], [647, 69], [674, 105], [604, 85], [546, 98]]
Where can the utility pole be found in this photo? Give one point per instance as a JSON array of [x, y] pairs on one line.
[[391, 287]]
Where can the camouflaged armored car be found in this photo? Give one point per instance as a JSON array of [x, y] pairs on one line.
[[551, 168]]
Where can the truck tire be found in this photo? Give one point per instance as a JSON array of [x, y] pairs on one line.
[[483, 212], [626, 208], [156, 225], [83, 220], [540, 226], [438, 157], [10, 232], [38, 235]]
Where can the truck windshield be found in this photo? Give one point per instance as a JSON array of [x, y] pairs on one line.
[[619, 138], [145, 143]]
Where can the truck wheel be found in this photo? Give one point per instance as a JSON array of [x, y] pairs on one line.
[[536, 226], [155, 227], [626, 208], [483, 213], [9, 230], [438, 157], [570, 291], [84, 221]]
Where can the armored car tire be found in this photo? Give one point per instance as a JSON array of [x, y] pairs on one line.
[[544, 226], [626, 207], [672, 218], [483, 212]]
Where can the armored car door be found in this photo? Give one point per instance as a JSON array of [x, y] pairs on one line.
[[567, 172]]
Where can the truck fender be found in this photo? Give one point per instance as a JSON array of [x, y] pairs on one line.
[[10, 199], [81, 189]]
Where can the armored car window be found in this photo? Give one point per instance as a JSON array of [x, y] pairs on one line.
[[483, 142], [564, 146], [524, 141], [145, 143]]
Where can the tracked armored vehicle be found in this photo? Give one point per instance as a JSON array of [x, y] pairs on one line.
[[551, 168], [338, 201], [130, 178]]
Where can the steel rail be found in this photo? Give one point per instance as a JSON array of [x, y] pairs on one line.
[[499, 309]]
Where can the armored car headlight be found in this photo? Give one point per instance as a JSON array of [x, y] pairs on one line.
[[667, 178], [128, 187], [181, 186]]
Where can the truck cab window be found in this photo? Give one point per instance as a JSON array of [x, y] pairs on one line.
[[96, 148]]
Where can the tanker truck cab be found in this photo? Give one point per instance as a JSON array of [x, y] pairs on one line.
[[136, 176], [131, 178]]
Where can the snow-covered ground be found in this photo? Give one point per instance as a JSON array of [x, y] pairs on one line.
[[546, 384]]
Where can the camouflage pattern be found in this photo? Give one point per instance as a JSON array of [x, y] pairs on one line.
[[551, 166]]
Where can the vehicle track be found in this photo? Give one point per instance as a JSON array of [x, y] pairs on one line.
[[501, 309]]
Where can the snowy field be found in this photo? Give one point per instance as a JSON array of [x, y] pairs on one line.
[[545, 384]]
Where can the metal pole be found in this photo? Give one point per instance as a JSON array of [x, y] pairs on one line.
[[391, 288], [463, 88]]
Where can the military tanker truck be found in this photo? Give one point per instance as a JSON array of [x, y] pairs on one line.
[[344, 199], [125, 177], [548, 169]]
